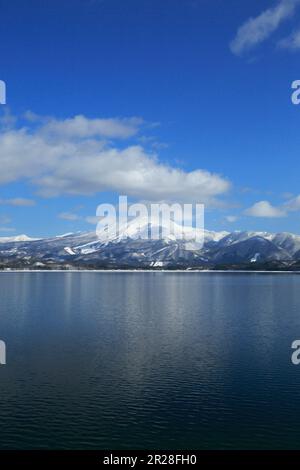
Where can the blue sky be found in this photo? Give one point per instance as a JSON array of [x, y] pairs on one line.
[[180, 100]]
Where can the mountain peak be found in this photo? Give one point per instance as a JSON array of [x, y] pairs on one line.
[[17, 238]]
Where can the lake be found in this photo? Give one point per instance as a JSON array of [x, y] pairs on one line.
[[153, 360]]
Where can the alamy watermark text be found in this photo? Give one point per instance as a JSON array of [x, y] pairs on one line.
[[2, 92]]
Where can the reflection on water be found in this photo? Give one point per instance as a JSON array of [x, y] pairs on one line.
[[149, 360]]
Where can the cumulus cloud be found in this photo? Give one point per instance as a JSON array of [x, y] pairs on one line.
[[73, 157], [256, 30], [265, 209], [129, 171]]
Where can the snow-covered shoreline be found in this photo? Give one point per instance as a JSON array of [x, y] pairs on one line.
[[166, 271]]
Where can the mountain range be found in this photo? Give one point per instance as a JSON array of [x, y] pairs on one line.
[[131, 249]]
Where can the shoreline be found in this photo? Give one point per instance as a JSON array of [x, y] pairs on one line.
[[207, 271]]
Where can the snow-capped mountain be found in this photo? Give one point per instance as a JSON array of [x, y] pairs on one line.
[[132, 247], [18, 238], [142, 229]]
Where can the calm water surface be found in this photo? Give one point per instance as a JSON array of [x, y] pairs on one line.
[[149, 360]]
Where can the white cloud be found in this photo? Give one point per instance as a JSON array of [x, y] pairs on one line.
[[293, 204], [292, 42], [130, 171], [7, 119], [70, 216], [7, 229], [62, 158], [18, 201], [91, 219], [265, 209], [4, 220], [80, 127], [256, 30], [231, 218]]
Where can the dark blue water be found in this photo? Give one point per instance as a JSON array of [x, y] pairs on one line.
[[149, 360]]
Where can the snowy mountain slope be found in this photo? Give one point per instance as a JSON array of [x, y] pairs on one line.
[[18, 238], [131, 248], [143, 227], [252, 249]]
